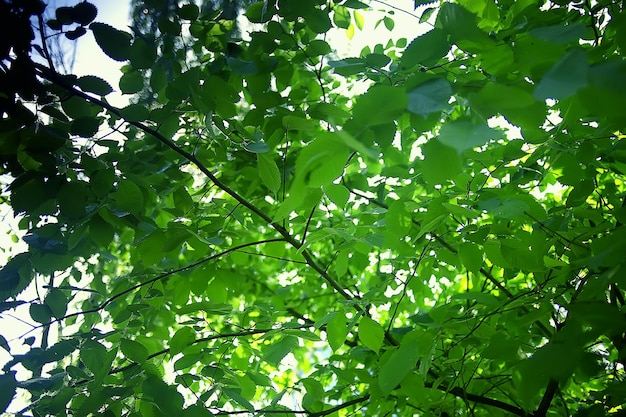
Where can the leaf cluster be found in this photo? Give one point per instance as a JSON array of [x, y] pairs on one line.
[[249, 236]]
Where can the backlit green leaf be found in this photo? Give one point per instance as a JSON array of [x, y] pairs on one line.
[[371, 334], [134, 350], [181, 339], [463, 134], [471, 256], [269, 173], [380, 105], [336, 331], [275, 352], [396, 368], [441, 162]]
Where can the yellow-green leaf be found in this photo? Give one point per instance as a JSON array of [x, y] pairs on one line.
[[371, 334]]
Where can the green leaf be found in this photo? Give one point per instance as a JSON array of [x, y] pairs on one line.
[[93, 84], [314, 388], [64, 15], [441, 162], [377, 60], [40, 313], [429, 97], [371, 334], [396, 368], [318, 20], [341, 17], [135, 113], [96, 358], [503, 97], [75, 33], [299, 123], [128, 196], [85, 126], [426, 49], [461, 26], [276, 352], [510, 208], [131, 82], [303, 334], [336, 331], [380, 105], [268, 172], [134, 350], [169, 400], [389, 23], [479, 297], [113, 42], [57, 301], [181, 339], [84, 13], [359, 20], [188, 11], [355, 4], [235, 396], [397, 219], [463, 134], [8, 391], [328, 112], [259, 12], [348, 66], [471, 257], [565, 78], [322, 161], [317, 47], [338, 194], [561, 33], [257, 147], [242, 67]]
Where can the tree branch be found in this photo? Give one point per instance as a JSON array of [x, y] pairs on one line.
[[200, 340], [461, 393], [157, 278], [541, 411], [51, 76]]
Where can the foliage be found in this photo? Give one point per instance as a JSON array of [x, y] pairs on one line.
[[261, 241]]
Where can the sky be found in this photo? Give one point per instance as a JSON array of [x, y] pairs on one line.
[[90, 60]]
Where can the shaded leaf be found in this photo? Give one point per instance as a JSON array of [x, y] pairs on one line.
[[93, 84], [113, 42], [429, 97], [565, 78], [426, 49]]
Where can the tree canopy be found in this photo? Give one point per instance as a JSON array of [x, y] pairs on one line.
[[258, 239]]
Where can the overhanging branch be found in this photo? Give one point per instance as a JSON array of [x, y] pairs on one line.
[[53, 77]]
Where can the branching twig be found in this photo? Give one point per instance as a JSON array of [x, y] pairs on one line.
[[541, 411], [157, 278], [49, 75], [308, 223], [161, 352]]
